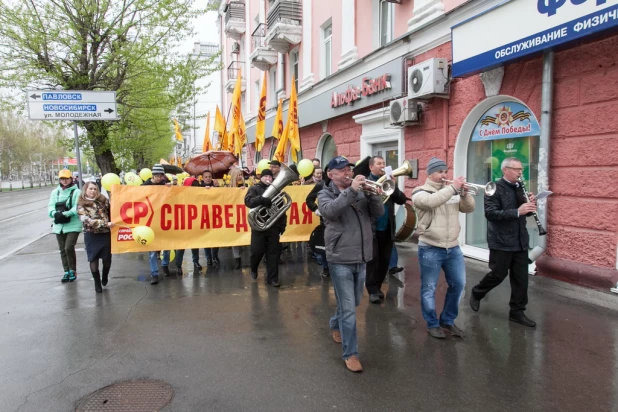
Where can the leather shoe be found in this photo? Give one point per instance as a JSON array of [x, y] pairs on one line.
[[522, 319], [197, 266], [336, 336], [154, 280], [253, 275], [475, 303], [453, 330], [353, 364], [374, 298], [394, 270], [166, 271], [437, 333], [274, 284]]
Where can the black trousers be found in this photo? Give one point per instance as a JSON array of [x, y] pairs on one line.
[[501, 263], [378, 266], [266, 243]]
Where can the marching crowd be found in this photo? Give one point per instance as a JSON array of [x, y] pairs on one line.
[[354, 243]]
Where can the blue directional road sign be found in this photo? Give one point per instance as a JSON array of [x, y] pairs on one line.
[[71, 105]]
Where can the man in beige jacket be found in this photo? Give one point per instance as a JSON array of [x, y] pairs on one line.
[[438, 206]]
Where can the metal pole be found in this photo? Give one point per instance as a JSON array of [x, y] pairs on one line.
[[77, 155]]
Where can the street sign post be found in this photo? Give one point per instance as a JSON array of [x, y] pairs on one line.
[[72, 105]]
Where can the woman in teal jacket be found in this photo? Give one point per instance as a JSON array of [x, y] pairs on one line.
[[62, 209]]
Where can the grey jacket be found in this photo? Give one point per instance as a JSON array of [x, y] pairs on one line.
[[347, 215]]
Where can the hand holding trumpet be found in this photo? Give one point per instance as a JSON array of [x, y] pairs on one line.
[[357, 182]]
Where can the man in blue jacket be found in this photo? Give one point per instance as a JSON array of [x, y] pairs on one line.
[[348, 239]]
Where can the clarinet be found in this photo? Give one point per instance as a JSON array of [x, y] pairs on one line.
[[542, 231]]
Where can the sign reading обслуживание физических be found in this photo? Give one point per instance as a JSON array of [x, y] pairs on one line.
[[71, 105], [521, 27]]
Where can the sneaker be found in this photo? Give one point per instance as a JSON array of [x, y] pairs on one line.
[[374, 298], [336, 336], [437, 333], [453, 330], [209, 262], [72, 276], [154, 280], [216, 261], [65, 278], [353, 364]]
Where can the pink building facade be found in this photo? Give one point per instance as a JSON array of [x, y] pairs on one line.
[[545, 92]]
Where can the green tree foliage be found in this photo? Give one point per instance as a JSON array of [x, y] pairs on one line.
[[27, 147], [125, 46]]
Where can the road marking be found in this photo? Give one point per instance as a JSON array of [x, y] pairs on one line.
[[23, 203], [23, 214], [17, 249]]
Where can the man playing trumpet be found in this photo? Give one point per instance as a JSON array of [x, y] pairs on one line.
[[438, 206]]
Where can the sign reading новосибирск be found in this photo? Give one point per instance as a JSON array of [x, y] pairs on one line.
[[71, 105], [521, 27]]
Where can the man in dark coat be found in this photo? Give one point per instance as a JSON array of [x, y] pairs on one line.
[[384, 235], [508, 239], [267, 241]]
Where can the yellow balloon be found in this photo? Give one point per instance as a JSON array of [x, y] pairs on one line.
[[305, 167], [181, 178], [143, 235], [145, 174], [131, 179], [263, 164], [169, 176], [172, 255], [110, 179]]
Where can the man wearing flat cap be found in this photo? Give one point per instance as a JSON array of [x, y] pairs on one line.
[[437, 206]]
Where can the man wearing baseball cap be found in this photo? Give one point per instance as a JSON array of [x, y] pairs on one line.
[[348, 239], [158, 179], [275, 167]]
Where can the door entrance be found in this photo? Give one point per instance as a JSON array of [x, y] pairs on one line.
[[389, 151]]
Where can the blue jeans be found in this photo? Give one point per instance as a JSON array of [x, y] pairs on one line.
[[394, 258], [321, 259], [211, 253], [152, 260], [348, 281], [431, 260]]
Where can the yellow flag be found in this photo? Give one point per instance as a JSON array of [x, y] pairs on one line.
[[278, 125], [293, 133], [220, 128], [281, 146], [207, 145], [261, 119], [238, 129], [178, 132]]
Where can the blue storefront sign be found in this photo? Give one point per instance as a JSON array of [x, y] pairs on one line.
[[506, 120], [517, 28]]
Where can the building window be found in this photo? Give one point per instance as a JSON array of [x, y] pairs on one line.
[[272, 91], [386, 22], [328, 149], [258, 92], [327, 49], [294, 67]]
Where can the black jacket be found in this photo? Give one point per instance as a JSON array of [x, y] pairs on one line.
[[505, 230], [398, 197], [253, 199]]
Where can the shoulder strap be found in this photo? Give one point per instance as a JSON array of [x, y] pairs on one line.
[[71, 199], [422, 190]]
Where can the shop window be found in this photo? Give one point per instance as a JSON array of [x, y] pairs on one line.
[[488, 147], [327, 149]]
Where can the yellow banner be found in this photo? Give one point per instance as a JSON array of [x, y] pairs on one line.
[[196, 217]]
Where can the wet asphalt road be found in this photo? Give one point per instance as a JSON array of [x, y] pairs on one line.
[[228, 343]]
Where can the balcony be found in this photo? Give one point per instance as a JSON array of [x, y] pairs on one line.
[[232, 75], [262, 56], [284, 25], [235, 19]]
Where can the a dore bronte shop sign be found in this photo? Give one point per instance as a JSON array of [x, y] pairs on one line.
[[369, 86]]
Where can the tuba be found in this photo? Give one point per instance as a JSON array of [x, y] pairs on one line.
[[262, 218]]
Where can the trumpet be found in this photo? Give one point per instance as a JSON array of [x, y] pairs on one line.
[[474, 189], [370, 187]]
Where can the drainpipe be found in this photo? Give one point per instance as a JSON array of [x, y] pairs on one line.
[[547, 93]]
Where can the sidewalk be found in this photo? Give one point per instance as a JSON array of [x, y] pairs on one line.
[[227, 343]]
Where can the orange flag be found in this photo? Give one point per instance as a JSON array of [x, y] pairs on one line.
[[207, 144], [238, 128], [220, 128], [261, 119]]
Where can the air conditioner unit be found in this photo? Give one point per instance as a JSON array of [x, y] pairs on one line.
[[404, 111], [236, 47], [428, 79]]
